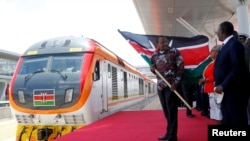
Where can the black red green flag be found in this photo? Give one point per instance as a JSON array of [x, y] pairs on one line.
[[194, 50]]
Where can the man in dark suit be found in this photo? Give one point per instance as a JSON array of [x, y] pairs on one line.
[[230, 75], [247, 61]]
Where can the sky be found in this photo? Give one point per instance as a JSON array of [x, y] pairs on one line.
[[25, 22]]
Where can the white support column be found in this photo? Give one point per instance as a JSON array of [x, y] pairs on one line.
[[242, 15], [243, 21]]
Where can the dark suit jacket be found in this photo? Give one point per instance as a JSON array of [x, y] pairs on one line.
[[230, 71]]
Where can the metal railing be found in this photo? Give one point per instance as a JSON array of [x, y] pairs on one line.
[[5, 111], [4, 103]]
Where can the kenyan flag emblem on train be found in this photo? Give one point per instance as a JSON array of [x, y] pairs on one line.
[[45, 97]]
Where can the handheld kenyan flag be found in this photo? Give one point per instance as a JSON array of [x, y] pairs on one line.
[[194, 50], [44, 97]]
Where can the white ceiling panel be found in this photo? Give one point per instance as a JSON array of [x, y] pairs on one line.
[[171, 17]]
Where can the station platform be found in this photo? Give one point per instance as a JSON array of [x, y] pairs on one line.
[[8, 129], [142, 125], [141, 121]]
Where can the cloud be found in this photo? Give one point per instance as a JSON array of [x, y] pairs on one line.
[[25, 22]]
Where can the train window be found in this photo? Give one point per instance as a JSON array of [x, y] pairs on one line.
[[67, 64], [121, 75], [62, 63], [31, 65], [96, 74], [109, 70]]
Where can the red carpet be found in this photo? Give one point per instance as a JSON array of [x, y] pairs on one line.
[[141, 126]]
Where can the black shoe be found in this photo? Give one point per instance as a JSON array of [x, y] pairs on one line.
[[204, 114], [198, 109], [172, 139], [163, 138], [190, 115], [208, 116]]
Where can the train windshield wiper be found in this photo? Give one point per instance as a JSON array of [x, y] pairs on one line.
[[64, 76], [33, 73]]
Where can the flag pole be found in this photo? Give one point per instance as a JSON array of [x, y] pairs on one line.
[[183, 100]]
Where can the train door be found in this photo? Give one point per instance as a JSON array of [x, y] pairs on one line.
[[125, 80], [104, 88], [146, 92]]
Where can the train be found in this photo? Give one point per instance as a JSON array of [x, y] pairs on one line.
[[65, 83]]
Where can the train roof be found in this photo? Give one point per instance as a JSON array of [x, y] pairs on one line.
[[59, 45], [65, 44]]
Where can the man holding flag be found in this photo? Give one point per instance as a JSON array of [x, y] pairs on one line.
[[194, 51], [189, 53], [169, 63]]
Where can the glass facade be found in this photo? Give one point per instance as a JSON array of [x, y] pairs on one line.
[[8, 62], [7, 67]]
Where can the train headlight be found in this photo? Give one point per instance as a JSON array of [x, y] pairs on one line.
[[68, 95], [21, 96]]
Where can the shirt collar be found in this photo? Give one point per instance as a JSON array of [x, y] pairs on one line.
[[227, 39]]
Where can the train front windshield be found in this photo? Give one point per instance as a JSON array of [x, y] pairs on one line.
[[48, 82], [64, 64]]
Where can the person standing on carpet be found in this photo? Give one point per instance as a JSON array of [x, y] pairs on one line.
[[169, 63], [188, 90], [247, 63], [230, 75], [208, 82]]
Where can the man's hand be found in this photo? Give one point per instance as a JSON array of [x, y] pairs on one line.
[[218, 89], [173, 86], [152, 69], [202, 81]]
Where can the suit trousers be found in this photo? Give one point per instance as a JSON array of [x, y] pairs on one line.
[[169, 103]]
